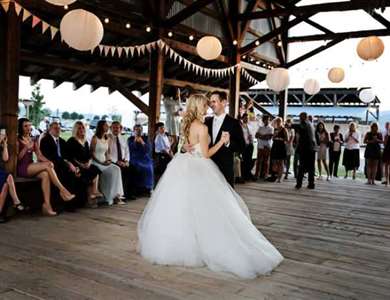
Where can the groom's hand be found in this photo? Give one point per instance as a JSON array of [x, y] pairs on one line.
[[226, 138]]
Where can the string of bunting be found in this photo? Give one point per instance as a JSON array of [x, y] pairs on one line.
[[109, 50]]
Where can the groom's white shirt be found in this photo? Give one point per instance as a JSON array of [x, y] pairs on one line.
[[217, 123]]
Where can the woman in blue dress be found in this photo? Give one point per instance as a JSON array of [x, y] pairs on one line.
[[141, 158], [7, 184]]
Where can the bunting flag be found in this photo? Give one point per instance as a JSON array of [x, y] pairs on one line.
[[18, 8], [120, 49], [26, 14], [126, 51], [5, 6], [45, 26], [53, 31], [35, 21], [101, 49]]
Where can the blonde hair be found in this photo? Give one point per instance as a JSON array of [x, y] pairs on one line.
[[75, 128], [194, 111]]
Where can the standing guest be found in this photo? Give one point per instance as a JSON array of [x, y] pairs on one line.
[[373, 139], [43, 169], [386, 155], [162, 148], [289, 146], [141, 159], [53, 148], [351, 157], [79, 154], [322, 139], [120, 155], [382, 163], [7, 185], [110, 181], [336, 141], [305, 150], [247, 161], [278, 150], [264, 143]]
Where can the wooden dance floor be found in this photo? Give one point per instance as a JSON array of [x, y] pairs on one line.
[[336, 241]]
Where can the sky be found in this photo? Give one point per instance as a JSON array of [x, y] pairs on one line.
[[358, 73]]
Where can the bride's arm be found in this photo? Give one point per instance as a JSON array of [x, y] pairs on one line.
[[204, 143]]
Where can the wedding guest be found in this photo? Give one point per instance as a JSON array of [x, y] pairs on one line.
[[162, 148], [322, 139], [382, 162], [336, 141], [53, 148], [351, 156], [110, 181], [264, 143], [278, 150], [296, 154], [247, 160], [306, 150], [79, 154], [141, 158], [373, 140], [120, 156], [7, 185], [43, 169], [289, 145], [386, 155]]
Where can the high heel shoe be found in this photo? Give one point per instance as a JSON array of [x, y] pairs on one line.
[[67, 196], [48, 212], [19, 206]]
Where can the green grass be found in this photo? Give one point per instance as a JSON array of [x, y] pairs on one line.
[[66, 135]]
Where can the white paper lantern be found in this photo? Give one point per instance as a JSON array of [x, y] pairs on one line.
[[370, 48], [336, 75], [311, 86], [209, 47], [81, 30], [278, 79], [61, 2], [367, 95]]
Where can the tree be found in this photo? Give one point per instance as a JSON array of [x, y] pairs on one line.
[[36, 110], [104, 117], [81, 117], [74, 115], [65, 115], [116, 118], [96, 117]]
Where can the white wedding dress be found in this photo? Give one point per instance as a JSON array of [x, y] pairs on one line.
[[194, 218]]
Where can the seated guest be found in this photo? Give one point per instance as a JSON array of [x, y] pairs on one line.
[[7, 185], [43, 169], [141, 159], [120, 156], [53, 148], [80, 156], [162, 148], [110, 181]]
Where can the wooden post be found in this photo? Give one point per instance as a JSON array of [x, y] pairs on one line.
[[283, 95], [9, 80]]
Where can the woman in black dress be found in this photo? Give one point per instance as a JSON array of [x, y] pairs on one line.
[[80, 155], [386, 156], [278, 150], [373, 139]]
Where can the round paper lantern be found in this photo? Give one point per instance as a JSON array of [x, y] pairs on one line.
[[209, 47], [311, 86], [370, 48], [61, 2], [367, 95], [81, 30], [278, 79], [336, 75]]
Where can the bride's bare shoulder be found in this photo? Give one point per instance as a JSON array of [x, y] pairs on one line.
[[198, 126]]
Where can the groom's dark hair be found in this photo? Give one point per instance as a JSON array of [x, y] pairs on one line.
[[222, 95]]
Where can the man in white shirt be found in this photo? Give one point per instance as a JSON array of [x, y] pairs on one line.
[[120, 156], [264, 143], [162, 148]]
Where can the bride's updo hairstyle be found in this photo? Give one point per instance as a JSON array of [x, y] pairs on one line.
[[195, 110]]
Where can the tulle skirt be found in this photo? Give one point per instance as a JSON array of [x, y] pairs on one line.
[[194, 218]]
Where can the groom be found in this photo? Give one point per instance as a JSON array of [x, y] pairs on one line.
[[223, 124]]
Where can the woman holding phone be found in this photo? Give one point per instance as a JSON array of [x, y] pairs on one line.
[[7, 185]]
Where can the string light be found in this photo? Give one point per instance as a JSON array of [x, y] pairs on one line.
[[280, 44], [252, 59], [257, 43], [170, 34], [244, 56], [235, 42], [66, 7], [106, 20], [257, 63], [191, 37], [128, 25], [148, 29]]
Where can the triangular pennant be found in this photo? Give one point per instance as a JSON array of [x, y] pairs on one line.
[[132, 51], [53, 31], [119, 49], [5, 6], [171, 53], [106, 50], [143, 47], [185, 64], [18, 8], [101, 49], [148, 47], [180, 59], [127, 51], [93, 50], [35, 21], [112, 50], [45, 26], [160, 44], [154, 45], [167, 49], [175, 57], [138, 50], [26, 15]]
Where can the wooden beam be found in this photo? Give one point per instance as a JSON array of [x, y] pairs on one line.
[[251, 7], [248, 48], [343, 35], [313, 52], [9, 80], [316, 8], [186, 12], [283, 95], [256, 105], [379, 18], [225, 22]]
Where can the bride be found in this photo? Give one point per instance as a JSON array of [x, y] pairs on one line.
[[194, 218]]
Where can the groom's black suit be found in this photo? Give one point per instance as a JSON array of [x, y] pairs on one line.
[[224, 157]]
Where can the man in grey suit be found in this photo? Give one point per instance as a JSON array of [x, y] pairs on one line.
[[306, 149]]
